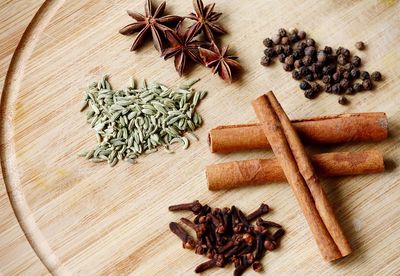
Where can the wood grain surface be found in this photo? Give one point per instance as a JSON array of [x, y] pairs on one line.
[[88, 219]]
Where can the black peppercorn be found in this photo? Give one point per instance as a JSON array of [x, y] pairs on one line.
[[360, 45], [356, 61], [336, 89], [349, 91], [342, 100], [344, 83], [331, 58], [269, 52], [289, 60], [268, 42], [328, 50], [348, 67], [307, 60], [309, 77], [339, 50], [281, 58], [304, 71], [342, 60], [298, 63], [309, 51], [304, 85], [297, 54], [282, 32], [346, 75], [376, 76], [345, 52], [336, 77], [287, 67], [340, 70], [294, 31], [284, 40], [328, 88], [318, 75], [364, 75], [321, 56], [367, 84], [316, 88], [296, 75], [287, 50], [265, 61], [276, 39], [278, 49], [316, 68], [301, 45], [326, 79], [310, 42], [310, 94], [294, 38], [357, 87], [329, 69], [302, 35], [355, 73]]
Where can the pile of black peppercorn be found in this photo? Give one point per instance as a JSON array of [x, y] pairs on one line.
[[338, 70], [227, 236]]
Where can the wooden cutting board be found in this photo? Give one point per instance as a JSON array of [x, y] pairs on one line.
[[84, 218]]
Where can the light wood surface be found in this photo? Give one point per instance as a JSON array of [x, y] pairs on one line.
[[87, 219]]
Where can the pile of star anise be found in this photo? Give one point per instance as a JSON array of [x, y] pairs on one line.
[[196, 43]]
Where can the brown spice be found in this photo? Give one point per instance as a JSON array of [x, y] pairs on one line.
[[241, 244]]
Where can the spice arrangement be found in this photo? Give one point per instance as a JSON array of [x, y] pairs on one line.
[[195, 44], [293, 164], [336, 69], [227, 236], [134, 121]]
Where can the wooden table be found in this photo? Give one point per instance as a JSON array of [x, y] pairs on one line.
[[86, 219]]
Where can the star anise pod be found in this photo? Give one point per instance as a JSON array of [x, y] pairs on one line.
[[152, 21], [206, 20], [181, 47], [220, 61]]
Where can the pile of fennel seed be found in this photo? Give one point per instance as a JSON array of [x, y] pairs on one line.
[[135, 121]]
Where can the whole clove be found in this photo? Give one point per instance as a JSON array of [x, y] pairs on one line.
[[226, 236]]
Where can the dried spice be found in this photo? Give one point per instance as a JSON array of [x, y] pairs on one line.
[[336, 69], [152, 21], [220, 61], [134, 121], [205, 18], [181, 47], [225, 235], [360, 45], [182, 44]]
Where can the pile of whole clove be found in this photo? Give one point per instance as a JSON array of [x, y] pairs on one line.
[[227, 236], [337, 69]]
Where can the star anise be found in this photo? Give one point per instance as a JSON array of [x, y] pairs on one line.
[[152, 22], [220, 61], [206, 18], [182, 46]]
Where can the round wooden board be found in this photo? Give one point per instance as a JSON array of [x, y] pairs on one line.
[[85, 218]]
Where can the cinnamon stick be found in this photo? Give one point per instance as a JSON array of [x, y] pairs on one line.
[[236, 174], [342, 128], [300, 174]]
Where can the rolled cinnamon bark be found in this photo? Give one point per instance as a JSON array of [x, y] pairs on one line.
[[342, 128], [301, 176], [236, 174]]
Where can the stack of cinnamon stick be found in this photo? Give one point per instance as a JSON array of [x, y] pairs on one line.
[[292, 162]]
